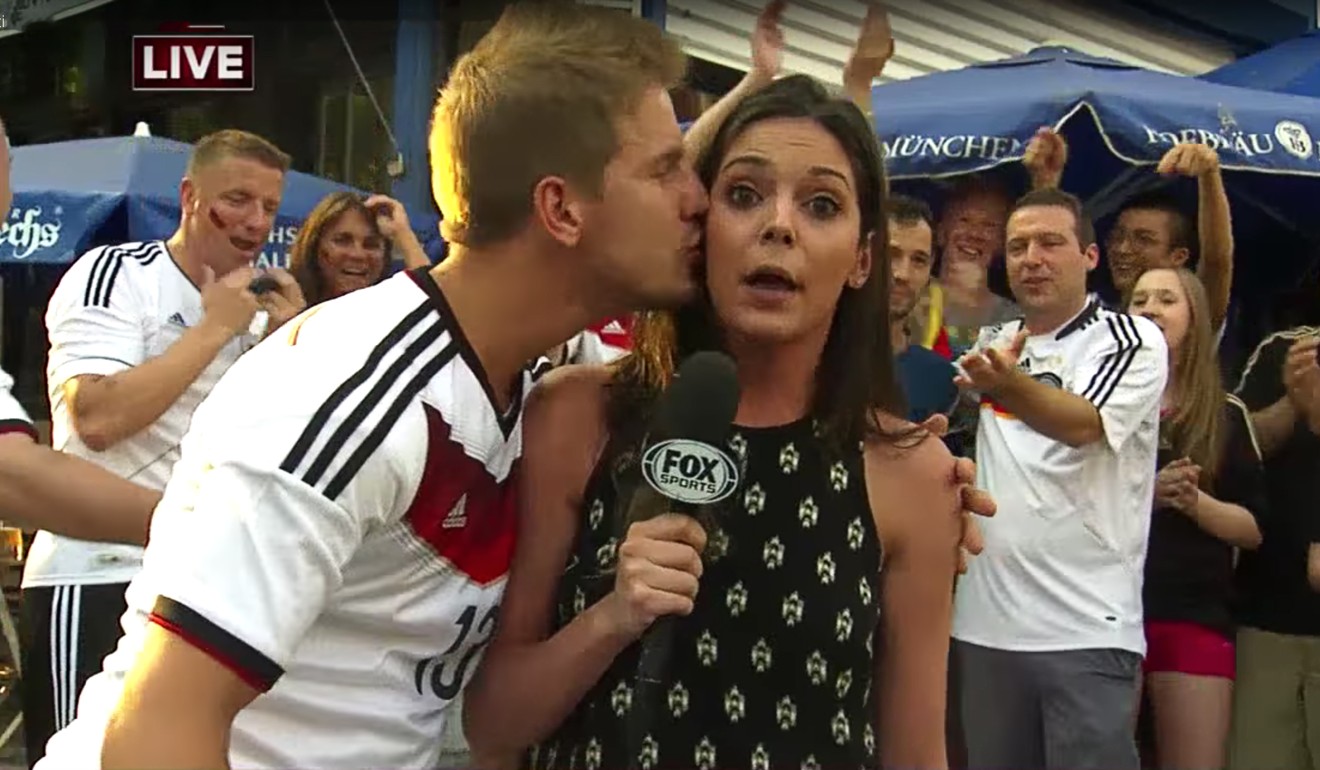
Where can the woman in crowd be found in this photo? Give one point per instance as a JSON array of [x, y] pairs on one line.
[[345, 243], [1208, 492], [845, 514]]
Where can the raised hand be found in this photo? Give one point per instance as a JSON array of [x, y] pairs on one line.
[[768, 40], [988, 369], [1045, 158], [872, 51], [1190, 159], [391, 217]]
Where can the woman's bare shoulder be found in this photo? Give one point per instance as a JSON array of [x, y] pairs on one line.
[[910, 478], [904, 446], [571, 388], [910, 458]]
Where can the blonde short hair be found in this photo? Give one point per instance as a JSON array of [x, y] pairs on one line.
[[540, 95], [233, 143]]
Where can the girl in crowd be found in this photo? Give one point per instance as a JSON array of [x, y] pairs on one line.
[[345, 243], [845, 515], [1208, 492]]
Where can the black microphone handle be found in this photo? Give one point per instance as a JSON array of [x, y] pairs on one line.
[[653, 659], [648, 693]]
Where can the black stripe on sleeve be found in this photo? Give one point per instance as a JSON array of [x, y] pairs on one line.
[[250, 665], [1115, 364], [351, 409], [381, 385], [322, 416], [106, 267], [377, 435]]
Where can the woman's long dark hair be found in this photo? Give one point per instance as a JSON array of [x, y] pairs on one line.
[[305, 254], [856, 375]]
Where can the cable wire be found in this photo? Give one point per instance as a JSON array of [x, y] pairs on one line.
[[362, 78]]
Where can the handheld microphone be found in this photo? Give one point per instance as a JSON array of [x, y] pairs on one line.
[[685, 466]]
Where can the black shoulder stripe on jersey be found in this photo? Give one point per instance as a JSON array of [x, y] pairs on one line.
[[377, 435], [540, 368], [381, 384], [1287, 337], [105, 269], [414, 364], [322, 414], [1089, 315], [1123, 328]]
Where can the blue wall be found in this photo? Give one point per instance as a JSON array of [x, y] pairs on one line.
[[416, 53]]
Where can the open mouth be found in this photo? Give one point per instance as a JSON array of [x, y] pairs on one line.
[[354, 272], [771, 279], [243, 244], [968, 253], [1122, 264]]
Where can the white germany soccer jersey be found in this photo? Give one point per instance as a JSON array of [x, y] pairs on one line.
[[13, 418], [337, 533], [116, 308], [1063, 559]]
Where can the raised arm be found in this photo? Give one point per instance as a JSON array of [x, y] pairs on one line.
[[872, 51], [1214, 221], [392, 219], [98, 363], [920, 537], [767, 57]]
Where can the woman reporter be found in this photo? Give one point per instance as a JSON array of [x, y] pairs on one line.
[[846, 514]]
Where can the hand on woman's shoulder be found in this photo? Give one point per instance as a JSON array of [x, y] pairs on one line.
[[912, 485], [907, 444]]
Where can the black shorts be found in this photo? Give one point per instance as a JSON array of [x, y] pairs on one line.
[[67, 633]]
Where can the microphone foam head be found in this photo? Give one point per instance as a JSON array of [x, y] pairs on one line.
[[702, 400]]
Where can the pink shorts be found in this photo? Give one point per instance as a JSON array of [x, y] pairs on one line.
[[1187, 648]]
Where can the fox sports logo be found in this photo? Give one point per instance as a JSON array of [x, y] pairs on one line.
[[690, 471]]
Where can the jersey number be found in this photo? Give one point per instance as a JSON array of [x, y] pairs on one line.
[[436, 673]]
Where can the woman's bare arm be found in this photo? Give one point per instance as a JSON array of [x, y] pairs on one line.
[[767, 56], [872, 51], [918, 506], [530, 680]]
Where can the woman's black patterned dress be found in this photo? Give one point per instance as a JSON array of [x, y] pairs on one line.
[[773, 669]]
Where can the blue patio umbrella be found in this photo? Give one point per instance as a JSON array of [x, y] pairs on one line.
[[70, 196], [1291, 67], [981, 116], [1119, 121]]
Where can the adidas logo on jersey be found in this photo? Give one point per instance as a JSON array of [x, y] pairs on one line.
[[177, 320], [457, 517], [613, 327]]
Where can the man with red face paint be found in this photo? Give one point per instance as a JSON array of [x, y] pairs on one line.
[[139, 334]]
